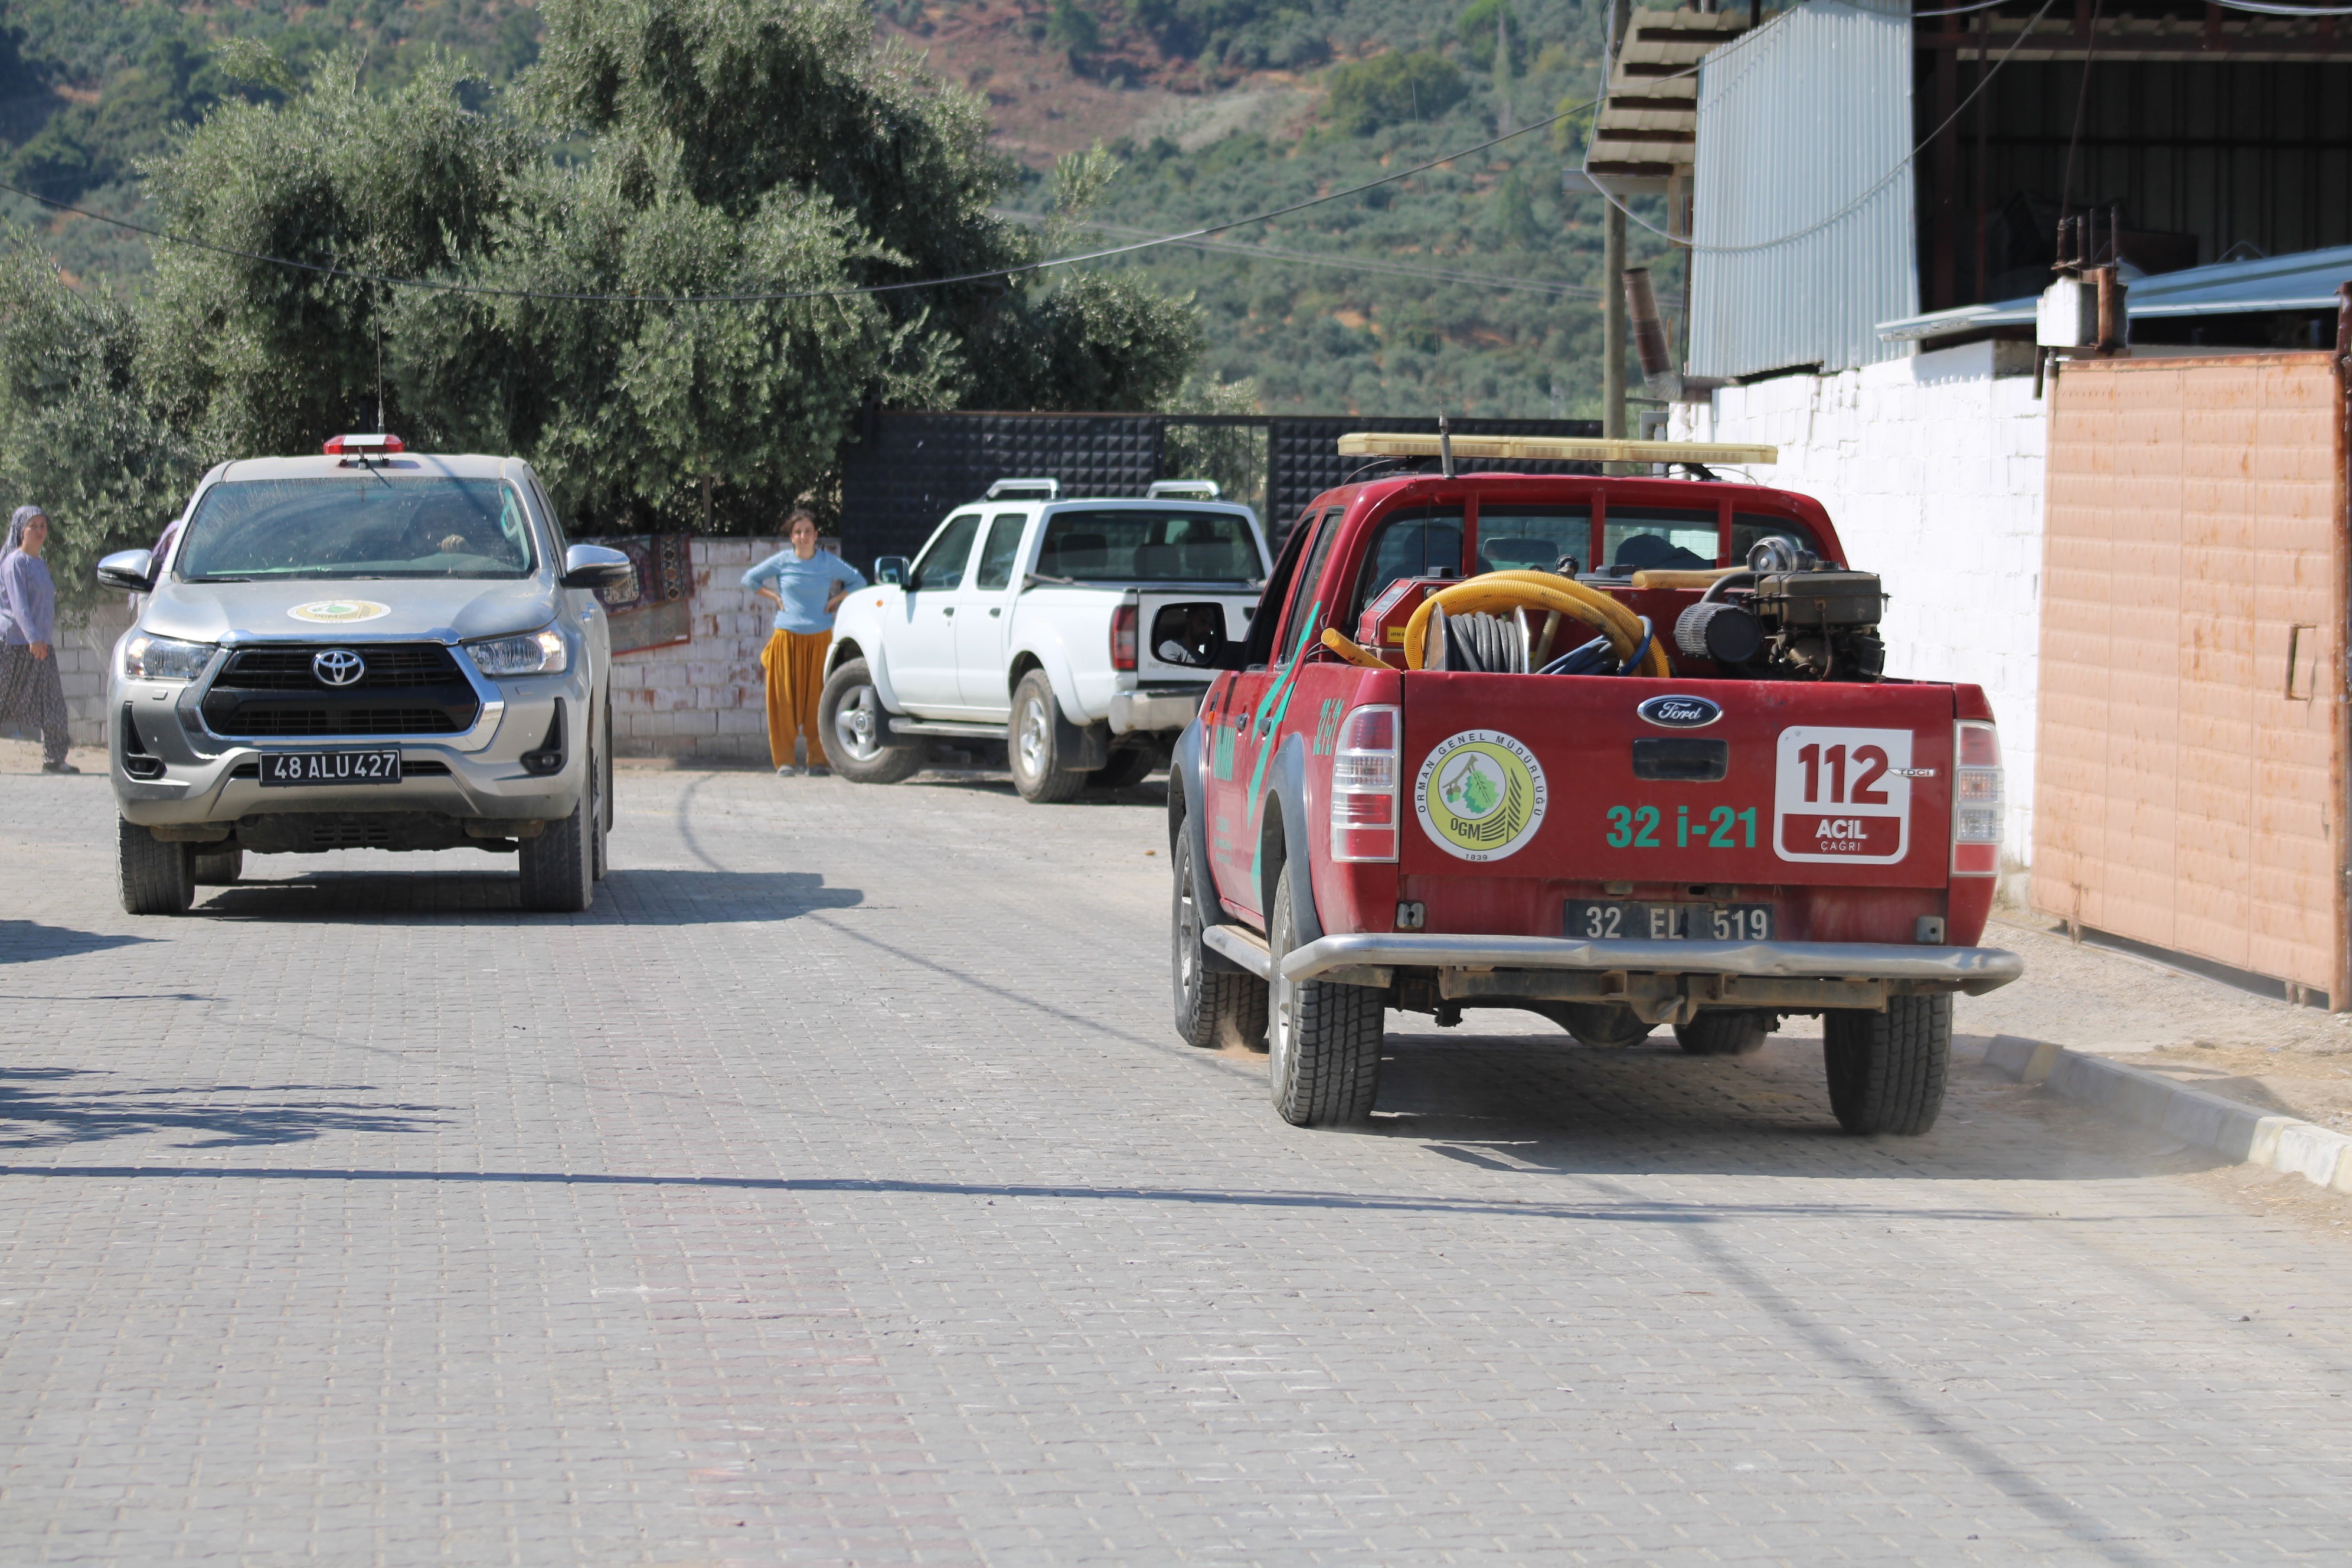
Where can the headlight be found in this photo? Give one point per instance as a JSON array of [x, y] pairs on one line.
[[534, 653], [163, 659]]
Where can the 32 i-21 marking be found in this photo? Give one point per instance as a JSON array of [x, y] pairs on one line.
[[1637, 827]]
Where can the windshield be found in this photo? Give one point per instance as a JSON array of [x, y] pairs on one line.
[[368, 525], [1134, 545]]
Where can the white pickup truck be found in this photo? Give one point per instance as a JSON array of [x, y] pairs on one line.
[[1074, 631]]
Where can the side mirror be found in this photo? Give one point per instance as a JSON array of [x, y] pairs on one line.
[[890, 571], [132, 571], [594, 566], [1192, 636]]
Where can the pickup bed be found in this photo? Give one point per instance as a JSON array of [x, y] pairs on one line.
[[1384, 801], [1053, 625]]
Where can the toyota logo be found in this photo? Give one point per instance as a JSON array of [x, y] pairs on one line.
[[338, 666]]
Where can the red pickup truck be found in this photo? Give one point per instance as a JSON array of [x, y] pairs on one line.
[[1617, 750]]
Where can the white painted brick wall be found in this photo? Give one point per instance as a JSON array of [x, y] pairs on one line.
[[702, 700], [1932, 469], [83, 648]]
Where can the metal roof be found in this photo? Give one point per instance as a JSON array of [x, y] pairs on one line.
[[2306, 280], [1801, 221]]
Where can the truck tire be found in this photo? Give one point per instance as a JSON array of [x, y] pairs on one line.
[[1324, 1040], [1216, 1010], [1600, 1025], [1125, 768], [155, 878], [857, 729], [218, 868], [1886, 1070], [1032, 744], [1738, 1033], [557, 868]]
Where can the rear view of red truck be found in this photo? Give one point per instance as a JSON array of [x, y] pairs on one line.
[[1616, 750]]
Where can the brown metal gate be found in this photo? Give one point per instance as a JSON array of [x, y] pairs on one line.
[[2192, 781]]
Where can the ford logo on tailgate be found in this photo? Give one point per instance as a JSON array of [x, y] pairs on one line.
[[1680, 712]]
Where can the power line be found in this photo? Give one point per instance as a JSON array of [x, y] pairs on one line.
[[1343, 263], [484, 291]]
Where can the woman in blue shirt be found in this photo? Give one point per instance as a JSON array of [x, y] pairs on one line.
[[30, 693], [806, 585]]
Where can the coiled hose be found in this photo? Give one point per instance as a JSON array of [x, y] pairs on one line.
[[1500, 592]]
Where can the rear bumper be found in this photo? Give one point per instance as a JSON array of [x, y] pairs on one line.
[[1154, 711], [1658, 979]]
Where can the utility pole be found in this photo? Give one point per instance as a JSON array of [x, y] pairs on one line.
[[1612, 264]]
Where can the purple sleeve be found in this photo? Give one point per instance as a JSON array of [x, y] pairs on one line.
[[28, 600]]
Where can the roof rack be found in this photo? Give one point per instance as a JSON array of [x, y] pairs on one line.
[[1192, 490], [1552, 448], [1024, 489]]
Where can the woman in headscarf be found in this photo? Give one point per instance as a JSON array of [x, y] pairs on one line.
[[30, 693]]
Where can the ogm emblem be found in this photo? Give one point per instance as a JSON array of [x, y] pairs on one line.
[[338, 666], [1480, 796]]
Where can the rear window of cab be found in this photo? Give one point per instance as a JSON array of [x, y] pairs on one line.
[[1448, 539]]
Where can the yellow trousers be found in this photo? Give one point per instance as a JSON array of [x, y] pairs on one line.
[[794, 666]]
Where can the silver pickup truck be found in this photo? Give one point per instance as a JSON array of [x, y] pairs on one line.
[[370, 648]]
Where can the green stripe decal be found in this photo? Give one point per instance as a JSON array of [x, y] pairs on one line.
[[1284, 689]]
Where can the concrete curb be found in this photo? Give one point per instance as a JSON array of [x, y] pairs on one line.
[[2249, 1136]]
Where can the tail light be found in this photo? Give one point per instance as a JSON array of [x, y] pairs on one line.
[[1123, 637], [1978, 797], [1365, 769]]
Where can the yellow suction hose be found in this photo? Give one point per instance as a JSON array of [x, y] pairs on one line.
[[1500, 592]]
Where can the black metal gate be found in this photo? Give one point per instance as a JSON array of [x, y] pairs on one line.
[[909, 470]]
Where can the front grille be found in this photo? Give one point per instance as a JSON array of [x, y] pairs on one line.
[[390, 667], [406, 689], [343, 719]]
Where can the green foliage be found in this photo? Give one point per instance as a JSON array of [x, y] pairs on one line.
[[659, 148], [78, 437], [1239, 35], [1477, 29], [1070, 26], [250, 358], [1515, 223], [1390, 88]]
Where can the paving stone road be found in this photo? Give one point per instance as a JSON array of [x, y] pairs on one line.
[[835, 1191]]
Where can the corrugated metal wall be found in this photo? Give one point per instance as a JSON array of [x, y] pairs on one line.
[[2190, 765], [1796, 121]]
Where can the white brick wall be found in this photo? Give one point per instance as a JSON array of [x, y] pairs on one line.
[[1932, 469], [701, 699], [83, 648]]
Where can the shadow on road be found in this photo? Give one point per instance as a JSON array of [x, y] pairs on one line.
[[662, 898], [50, 1108], [1538, 1105], [29, 941]]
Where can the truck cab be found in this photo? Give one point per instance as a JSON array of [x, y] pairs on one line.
[[1618, 751]]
